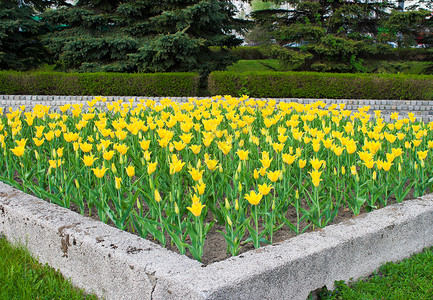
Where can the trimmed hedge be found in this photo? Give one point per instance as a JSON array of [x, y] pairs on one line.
[[54, 83], [322, 85]]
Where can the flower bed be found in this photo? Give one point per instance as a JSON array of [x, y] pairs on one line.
[[173, 170]]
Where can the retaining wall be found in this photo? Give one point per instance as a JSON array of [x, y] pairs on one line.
[[423, 110]]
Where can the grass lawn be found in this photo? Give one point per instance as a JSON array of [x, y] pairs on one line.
[[256, 66], [411, 278], [376, 66], [22, 277]]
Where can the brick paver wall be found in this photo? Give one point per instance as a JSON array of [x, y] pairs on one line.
[[423, 110]]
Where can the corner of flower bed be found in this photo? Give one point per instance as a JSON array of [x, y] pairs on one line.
[[118, 265]]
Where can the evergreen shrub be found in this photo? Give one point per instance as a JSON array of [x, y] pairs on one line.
[[54, 83]]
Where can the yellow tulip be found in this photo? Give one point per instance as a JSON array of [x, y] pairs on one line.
[[195, 149], [157, 196], [288, 158], [253, 198], [38, 142], [243, 154], [176, 165], [99, 172], [316, 164], [274, 176], [387, 165], [130, 171], [89, 160], [302, 163], [369, 164], [144, 144], [196, 208], [85, 147], [53, 163], [315, 177], [422, 154], [211, 164], [121, 148], [117, 182], [225, 147], [151, 167], [200, 188], [196, 174], [264, 189], [108, 155], [179, 145]]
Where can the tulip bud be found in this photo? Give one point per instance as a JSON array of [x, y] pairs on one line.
[[227, 204], [176, 208], [54, 153], [422, 163], [343, 170], [121, 159], [199, 164], [229, 221], [297, 195], [220, 168], [239, 168], [157, 196], [36, 155], [374, 175], [335, 171], [415, 166], [236, 176], [356, 177], [236, 205], [138, 204], [273, 204], [399, 167], [113, 168], [77, 184], [240, 187], [151, 183]]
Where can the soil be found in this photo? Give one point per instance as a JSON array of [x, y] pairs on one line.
[[215, 247]]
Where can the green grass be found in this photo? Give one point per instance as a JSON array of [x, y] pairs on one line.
[[256, 66], [372, 66], [22, 277], [411, 278]]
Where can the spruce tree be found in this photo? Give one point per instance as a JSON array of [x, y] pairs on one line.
[[144, 35], [20, 29], [333, 35]]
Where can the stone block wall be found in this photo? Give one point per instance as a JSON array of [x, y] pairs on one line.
[[423, 110]]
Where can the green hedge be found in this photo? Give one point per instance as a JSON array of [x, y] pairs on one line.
[[322, 85], [55, 83]]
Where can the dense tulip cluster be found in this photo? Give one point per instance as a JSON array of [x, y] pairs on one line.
[[169, 169]]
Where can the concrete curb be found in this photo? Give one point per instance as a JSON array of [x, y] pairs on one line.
[[118, 265]]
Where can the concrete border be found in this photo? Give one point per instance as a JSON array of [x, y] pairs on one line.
[[118, 265]]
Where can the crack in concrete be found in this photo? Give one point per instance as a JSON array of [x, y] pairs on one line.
[[153, 281]]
